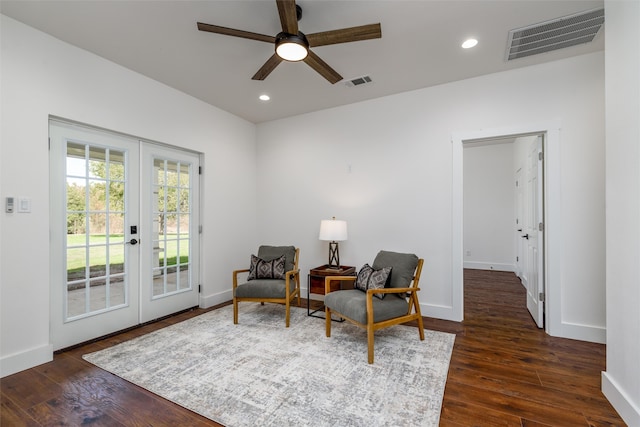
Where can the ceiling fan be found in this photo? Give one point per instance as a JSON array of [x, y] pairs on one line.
[[293, 45]]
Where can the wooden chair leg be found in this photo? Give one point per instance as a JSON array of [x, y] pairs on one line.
[[288, 304], [370, 343], [235, 311], [417, 308], [327, 322]]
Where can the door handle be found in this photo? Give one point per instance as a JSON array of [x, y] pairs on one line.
[[132, 242], [519, 229], [526, 236]]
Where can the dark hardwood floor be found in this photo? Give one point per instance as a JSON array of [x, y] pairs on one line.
[[504, 372]]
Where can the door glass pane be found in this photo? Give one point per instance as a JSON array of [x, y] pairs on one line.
[[116, 193], [98, 294], [184, 226], [117, 290], [116, 228], [96, 217], [172, 189], [116, 165], [76, 264], [76, 299], [97, 162]]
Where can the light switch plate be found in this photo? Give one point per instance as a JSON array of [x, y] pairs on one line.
[[24, 204]]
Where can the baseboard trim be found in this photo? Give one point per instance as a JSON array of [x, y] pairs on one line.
[[575, 331], [215, 299], [439, 312], [17, 362], [620, 401], [475, 265]]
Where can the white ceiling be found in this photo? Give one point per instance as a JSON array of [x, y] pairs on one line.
[[420, 45]]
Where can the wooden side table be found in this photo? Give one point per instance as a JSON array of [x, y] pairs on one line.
[[315, 282]]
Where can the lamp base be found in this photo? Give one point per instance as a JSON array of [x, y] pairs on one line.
[[334, 256]]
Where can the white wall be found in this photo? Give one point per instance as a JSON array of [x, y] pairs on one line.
[[489, 207], [42, 76], [385, 166], [621, 381]]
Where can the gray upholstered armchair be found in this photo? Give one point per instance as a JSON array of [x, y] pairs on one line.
[[385, 294], [273, 277]]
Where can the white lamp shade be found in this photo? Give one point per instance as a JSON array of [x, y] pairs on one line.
[[333, 230]]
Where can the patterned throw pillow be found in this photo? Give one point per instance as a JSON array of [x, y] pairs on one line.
[[261, 269], [368, 278]]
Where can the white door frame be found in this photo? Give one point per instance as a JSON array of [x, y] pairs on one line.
[[553, 218]]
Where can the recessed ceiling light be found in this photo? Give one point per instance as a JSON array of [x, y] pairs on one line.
[[264, 97], [469, 43]]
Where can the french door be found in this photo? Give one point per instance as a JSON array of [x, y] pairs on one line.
[[124, 232], [169, 216]]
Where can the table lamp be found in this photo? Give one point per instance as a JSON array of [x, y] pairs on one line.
[[333, 231]]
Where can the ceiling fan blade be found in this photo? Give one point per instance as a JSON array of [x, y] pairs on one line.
[[288, 16], [236, 33], [345, 35], [322, 67], [267, 68]]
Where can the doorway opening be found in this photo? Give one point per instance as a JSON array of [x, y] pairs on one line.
[[504, 211], [551, 230]]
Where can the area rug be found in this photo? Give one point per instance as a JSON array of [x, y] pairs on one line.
[[259, 373]]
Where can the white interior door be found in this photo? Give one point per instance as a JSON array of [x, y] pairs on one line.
[[124, 232], [170, 222], [520, 226], [534, 234], [94, 203]]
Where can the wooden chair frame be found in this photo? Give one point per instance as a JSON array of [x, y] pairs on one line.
[[290, 295], [413, 308]]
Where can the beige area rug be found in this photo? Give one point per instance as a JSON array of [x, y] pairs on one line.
[[259, 373]]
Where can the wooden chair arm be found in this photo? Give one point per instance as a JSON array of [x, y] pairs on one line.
[[287, 276], [329, 279], [235, 276], [370, 293], [392, 290]]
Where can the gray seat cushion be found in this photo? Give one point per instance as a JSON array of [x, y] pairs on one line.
[[264, 288], [404, 266], [353, 304], [268, 253]]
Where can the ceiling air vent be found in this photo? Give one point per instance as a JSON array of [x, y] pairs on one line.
[[556, 34], [358, 81]]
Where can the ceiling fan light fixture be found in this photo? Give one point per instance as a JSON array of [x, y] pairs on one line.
[[292, 47]]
